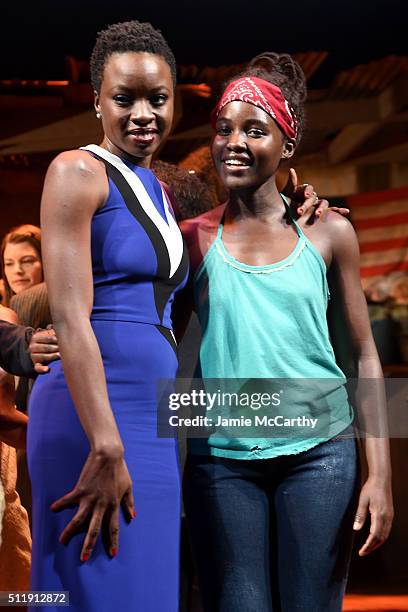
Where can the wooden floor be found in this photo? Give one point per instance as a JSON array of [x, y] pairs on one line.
[[355, 603], [375, 603]]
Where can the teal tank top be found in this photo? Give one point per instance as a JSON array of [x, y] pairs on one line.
[[264, 330]]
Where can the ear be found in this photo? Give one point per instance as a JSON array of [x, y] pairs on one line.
[[288, 149], [97, 106]]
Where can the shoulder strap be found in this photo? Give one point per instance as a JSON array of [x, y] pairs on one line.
[[289, 213]]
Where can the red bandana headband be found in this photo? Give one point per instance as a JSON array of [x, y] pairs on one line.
[[263, 94]]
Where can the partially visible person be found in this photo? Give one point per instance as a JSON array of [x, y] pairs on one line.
[[15, 538], [1, 291], [33, 311], [22, 270], [32, 308], [14, 341], [192, 196], [21, 260]]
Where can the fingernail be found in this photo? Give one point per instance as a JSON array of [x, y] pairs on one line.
[[114, 552], [85, 557]]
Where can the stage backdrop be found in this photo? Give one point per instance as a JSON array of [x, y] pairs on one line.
[[381, 223]]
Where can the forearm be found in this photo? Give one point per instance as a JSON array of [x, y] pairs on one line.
[[85, 376], [372, 416]]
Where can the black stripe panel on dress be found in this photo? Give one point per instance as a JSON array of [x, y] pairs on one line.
[[163, 286]]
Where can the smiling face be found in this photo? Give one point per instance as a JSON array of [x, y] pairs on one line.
[[136, 104], [22, 266], [248, 146]]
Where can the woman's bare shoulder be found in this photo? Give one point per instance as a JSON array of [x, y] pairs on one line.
[[75, 180], [77, 162], [207, 222], [332, 224]]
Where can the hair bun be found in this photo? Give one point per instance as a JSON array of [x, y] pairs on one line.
[[285, 65]]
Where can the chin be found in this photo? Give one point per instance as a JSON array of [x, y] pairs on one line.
[[232, 182]]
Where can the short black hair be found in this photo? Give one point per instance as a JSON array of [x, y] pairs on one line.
[[281, 70], [133, 36]]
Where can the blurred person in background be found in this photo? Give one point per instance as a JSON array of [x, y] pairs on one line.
[[21, 260], [21, 271], [15, 538]]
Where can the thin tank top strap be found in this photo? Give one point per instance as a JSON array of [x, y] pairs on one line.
[[221, 225], [289, 213]]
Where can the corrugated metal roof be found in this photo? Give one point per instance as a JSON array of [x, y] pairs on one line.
[[215, 77], [367, 80]]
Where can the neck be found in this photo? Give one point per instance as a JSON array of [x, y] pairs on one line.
[[263, 204]]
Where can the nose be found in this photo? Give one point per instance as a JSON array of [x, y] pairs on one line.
[[17, 268], [236, 142], [142, 113]]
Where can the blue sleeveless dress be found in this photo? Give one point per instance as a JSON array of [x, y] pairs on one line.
[[139, 262]]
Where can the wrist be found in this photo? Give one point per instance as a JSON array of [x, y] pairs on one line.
[[382, 478], [108, 450]]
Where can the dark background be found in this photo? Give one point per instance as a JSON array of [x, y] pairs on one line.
[[36, 36]]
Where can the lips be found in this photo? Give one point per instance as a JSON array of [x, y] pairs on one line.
[[143, 137]]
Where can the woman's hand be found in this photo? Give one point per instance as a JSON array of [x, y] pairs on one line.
[[305, 202], [103, 486], [376, 499]]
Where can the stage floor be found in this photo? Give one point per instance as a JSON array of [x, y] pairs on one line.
[[375, 603]]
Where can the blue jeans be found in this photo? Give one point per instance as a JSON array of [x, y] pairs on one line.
[[273, 535]]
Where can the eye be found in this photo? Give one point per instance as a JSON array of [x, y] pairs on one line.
[[256, 133], [223, 130], [158, 99], [122, 99]]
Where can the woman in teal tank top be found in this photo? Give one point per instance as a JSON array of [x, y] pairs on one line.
[[271, 516]]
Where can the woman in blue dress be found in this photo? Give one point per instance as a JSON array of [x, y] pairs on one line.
[[113, 260]]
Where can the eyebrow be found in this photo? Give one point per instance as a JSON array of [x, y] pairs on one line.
[[126, 88], [252, 121]]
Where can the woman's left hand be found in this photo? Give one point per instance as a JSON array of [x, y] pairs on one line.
[[305, 203], [376, 499]]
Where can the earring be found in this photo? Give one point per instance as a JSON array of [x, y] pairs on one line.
[[98, 115]]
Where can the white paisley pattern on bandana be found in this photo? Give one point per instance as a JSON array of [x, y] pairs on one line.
[[264, 95]]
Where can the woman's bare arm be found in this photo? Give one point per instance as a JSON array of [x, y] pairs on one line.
[[375, 496], [75, 187]]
